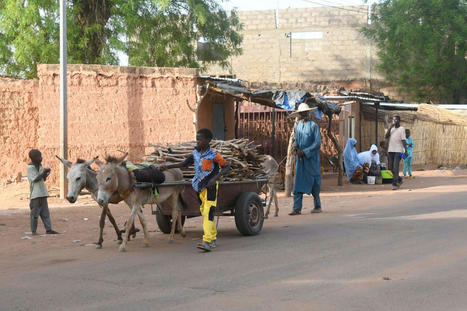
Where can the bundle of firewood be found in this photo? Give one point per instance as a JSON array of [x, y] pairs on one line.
[[241, 154]]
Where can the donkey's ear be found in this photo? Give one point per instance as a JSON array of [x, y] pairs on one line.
[[88, 163], [98, 162], [65, 161], [121, 159]]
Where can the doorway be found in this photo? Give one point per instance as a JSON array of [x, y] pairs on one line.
[[218, 121]]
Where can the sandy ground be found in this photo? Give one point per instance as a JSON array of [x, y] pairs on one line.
[[78, 223], [371, 249]]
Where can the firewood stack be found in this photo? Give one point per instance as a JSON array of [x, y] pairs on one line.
[[241, 154]]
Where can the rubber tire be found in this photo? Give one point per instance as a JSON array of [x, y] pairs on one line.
[[242, 213], [164, 222]]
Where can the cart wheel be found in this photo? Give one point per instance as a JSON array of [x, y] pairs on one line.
[[249, 215], [165, 222]]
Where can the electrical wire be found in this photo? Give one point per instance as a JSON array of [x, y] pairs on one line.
[[336, 7]]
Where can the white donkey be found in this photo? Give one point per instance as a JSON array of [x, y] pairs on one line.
[[270, 167], [115, 178], [81, 176]]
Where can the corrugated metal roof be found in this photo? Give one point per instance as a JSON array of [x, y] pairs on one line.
[[415, 106]]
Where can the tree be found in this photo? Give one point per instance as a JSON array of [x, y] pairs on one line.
[[150, 32], [422, 46]]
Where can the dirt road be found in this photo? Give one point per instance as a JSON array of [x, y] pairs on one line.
[[371, 249]]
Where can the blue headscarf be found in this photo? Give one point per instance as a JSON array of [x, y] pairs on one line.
[[351, 160]]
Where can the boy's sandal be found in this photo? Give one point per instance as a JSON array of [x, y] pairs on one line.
[[204, 246]]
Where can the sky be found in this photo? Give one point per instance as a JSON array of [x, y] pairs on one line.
[[251, 5]]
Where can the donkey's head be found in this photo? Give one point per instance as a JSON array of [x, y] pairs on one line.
[[107, 179], [76, 177]]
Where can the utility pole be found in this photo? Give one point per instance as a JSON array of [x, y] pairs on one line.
[[63, 98]]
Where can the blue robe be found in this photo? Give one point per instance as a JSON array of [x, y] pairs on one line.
[[307, 168], [351, 160]]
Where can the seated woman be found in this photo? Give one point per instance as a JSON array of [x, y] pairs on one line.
[[353, 166], [371, 158]]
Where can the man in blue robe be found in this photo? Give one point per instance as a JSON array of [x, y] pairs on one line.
[[307, 142]]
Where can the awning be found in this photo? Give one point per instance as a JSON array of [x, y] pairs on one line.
[[282, 99]]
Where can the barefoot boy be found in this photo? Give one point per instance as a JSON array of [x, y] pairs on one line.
[[38, 192]]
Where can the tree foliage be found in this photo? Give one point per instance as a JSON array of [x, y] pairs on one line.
[[150, 32], [422, 46]]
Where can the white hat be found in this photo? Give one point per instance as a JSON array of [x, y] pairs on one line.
[[301, 108]]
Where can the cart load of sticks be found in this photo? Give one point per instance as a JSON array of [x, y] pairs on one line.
[[241, 154]]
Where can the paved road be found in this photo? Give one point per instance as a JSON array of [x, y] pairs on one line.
[[404, 251]]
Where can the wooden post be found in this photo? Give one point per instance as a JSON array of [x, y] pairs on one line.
[[339, 152], [236, 118], [273, 134], [289, 166], [376, 123], [199, 99]]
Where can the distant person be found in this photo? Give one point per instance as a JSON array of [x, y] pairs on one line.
[[307, 141], [397, 145], [38, 192], [408, 160], [370, 159], [370, 155], [383, 155], [352, 164]]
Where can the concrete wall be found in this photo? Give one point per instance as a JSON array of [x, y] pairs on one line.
[[342, 54], [19, 120]]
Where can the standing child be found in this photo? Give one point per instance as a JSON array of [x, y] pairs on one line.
[[209, 166], [383, 155], [408, 160], [38, 192]]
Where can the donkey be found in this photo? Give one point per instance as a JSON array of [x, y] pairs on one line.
[[270, 167], [115, 178], [81, 176]]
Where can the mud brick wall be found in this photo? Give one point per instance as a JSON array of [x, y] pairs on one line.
[[18, 123], [114, 108], [342, 54]]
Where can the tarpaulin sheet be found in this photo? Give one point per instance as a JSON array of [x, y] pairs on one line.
[[283, 99]]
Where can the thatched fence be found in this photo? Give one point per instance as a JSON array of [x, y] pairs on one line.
[[440, 136]]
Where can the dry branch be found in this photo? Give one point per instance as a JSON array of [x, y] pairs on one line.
[[241, 154]]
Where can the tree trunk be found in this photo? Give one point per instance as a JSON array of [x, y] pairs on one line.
[[92, 16], [331, 136]]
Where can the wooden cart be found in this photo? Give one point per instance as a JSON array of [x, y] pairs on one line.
[[236, 198]]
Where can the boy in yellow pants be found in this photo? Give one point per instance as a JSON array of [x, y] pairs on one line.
[[209, 166]]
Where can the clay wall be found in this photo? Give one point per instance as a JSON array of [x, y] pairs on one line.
[[18, 126], [113, 108]]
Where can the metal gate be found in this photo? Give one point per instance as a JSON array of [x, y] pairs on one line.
[[268, 128], [271, 128]]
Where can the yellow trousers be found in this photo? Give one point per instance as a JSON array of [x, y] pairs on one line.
[[208, 199]]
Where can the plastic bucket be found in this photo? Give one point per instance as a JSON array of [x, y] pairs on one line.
[[371, 180]]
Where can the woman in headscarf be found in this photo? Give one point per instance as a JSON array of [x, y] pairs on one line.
[[369, 156], [370, 159], [353, 166]]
